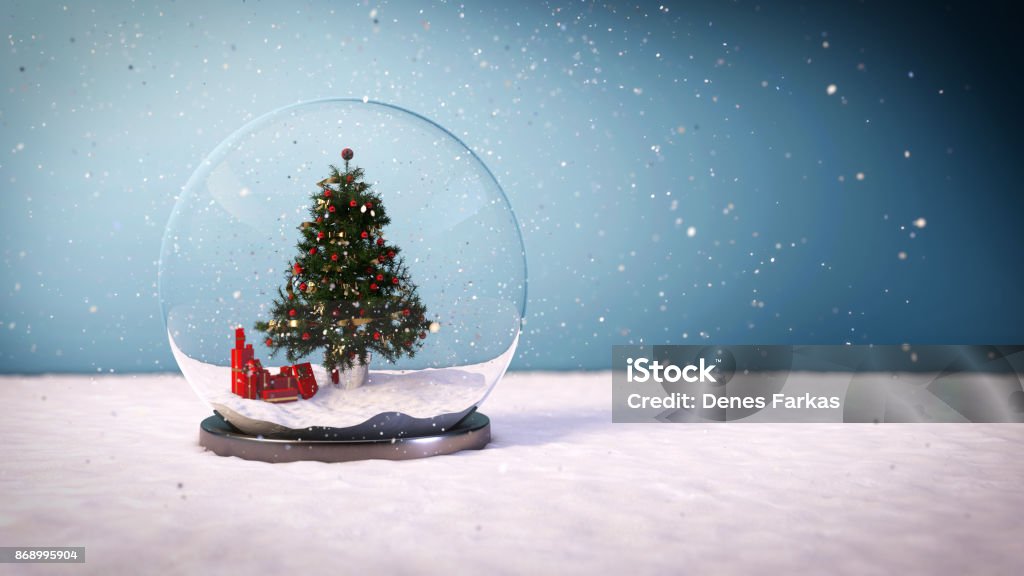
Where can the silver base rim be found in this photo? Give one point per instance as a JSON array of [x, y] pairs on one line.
[[472, 433]]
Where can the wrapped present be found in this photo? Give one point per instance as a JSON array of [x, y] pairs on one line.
[[306, 381], [280, 394], [255, 378], [280, 381], [241, 355]]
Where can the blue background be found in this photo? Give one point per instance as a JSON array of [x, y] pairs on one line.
[[681, 173]]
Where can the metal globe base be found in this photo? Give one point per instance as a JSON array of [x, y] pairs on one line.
[[218, 436]]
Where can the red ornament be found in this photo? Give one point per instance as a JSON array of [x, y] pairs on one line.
[[380, 276], [302, 286], [362, 312], [380, 241], [364, 234], [327, 193], [373, 286], [376, 335], [292, 312], [348, 178], [369, 205], [347, 154], [312, 251], [394, 280], [319, 219], [405, 312], [335, 313], [330, 208], [319, 235], [297, 268], [353, 203], [270, 342], [305, 336], [334, 257], [291, 296], [391, 253], [423, 335]]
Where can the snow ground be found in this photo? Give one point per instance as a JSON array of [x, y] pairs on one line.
[[112, 463]]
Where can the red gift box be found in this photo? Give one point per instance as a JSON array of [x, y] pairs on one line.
[[280, 394], [307, 382]]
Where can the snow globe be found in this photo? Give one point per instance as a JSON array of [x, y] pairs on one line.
[[342, 279]]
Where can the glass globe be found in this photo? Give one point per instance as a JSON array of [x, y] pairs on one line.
[[232, 241]]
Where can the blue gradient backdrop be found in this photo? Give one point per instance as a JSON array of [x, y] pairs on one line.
[[682, 173]]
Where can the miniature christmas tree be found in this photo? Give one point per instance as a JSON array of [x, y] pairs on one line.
[[348, 292]]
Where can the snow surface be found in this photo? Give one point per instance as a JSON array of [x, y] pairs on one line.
[[418, 393], [112, 463]]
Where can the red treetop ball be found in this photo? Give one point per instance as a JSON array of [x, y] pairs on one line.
[[347, 154]]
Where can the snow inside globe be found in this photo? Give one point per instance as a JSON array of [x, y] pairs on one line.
[[345, 267]]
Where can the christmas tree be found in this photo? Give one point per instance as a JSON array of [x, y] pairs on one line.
[[348, 292]]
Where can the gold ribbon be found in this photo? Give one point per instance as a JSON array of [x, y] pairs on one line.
[[355, 321], [363, 321]]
